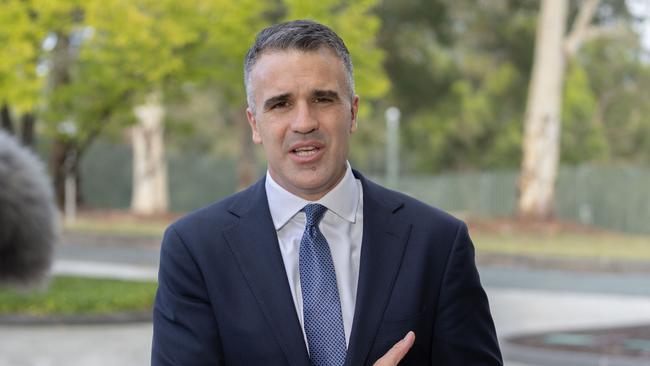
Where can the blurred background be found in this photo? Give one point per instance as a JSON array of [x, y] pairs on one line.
[[529, 119]]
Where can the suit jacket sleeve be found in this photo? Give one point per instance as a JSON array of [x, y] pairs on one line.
[[464, 332], [185, 331]]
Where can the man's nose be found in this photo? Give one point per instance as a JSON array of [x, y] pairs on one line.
[[304, 120]]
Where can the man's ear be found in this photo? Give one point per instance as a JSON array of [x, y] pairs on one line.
[[354, 112], [253, 123]]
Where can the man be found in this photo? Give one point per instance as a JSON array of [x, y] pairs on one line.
[[314, 264]]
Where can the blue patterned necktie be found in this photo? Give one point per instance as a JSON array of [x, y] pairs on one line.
[[320, 294]]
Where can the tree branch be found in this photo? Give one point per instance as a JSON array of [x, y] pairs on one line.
[[615, 30], [102, 120], [580, 27]]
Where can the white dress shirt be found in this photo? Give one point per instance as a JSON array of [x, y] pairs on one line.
[[342, 226]]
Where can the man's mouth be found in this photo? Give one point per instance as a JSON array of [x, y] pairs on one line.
[[305, 150]]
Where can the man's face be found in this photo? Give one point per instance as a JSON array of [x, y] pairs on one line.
[[303, 118]]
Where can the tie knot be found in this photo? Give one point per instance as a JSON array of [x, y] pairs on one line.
[[314, 213]]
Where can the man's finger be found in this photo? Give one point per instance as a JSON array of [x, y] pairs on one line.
[[398, 351]]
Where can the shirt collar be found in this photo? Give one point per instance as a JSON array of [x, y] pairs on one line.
[[342, 200]]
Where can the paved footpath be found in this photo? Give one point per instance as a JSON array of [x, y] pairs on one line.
[[79, 345], [522, 301]]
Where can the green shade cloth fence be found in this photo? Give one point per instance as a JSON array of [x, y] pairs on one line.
[[612, 197]]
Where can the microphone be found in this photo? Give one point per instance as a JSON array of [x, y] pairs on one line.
[[29, 223]]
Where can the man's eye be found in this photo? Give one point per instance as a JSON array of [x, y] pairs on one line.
[[280, 105], [323, 100]]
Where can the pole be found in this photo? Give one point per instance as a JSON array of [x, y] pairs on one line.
[[70, 201], [392, 146]]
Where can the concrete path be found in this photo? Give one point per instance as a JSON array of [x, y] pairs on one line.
[[99, 269], [106, 345]]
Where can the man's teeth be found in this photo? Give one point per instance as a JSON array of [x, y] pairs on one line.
[[305, 151]]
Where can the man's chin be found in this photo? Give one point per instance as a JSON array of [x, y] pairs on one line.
[[310, 187], [309, 182]]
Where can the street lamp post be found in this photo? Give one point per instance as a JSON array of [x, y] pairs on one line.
[[392, 146]]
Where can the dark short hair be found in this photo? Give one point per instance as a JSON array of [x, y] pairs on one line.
[[302, 35]]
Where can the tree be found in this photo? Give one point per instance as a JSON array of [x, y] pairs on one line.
[[142, 53], [542, 126], [619, 76], [457, 70], [137, 54], [35, 57], [150, 191], [20, 84]]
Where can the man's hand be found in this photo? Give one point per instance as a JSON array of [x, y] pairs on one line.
[[397, 352]]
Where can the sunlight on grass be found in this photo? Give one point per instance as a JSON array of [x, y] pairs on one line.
[[567, 245], [121, 226]]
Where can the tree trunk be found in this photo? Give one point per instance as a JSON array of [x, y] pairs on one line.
[[28, 133], [60, 151], [150, 191], [542, 119], [62, 148], [5, 116]]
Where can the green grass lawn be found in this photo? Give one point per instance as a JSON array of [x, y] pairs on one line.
[[118, 226], [74, 295], [504, 236], [590, 245]]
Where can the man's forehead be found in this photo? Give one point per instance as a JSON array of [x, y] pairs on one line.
[[277, 73], [294, 52]]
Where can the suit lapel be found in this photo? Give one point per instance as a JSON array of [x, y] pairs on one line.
[[383, 244], [255, 246]]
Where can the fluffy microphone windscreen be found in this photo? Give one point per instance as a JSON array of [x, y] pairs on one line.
[[29, 223]]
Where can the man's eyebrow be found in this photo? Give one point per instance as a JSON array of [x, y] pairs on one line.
[[326, 94], [275, 100]]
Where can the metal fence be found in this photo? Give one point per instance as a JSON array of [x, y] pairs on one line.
[[195, 179], [613, 197]]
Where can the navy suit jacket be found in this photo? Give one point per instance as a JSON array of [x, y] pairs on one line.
[[224, 298]]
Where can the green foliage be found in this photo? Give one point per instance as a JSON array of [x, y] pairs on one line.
[[21, 35], [128, 227], [457, 69], [460, 77], [470, 126], [131, 49], [619, 76], [74, 295], [583, 136], [417, 37], [459, 81]]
